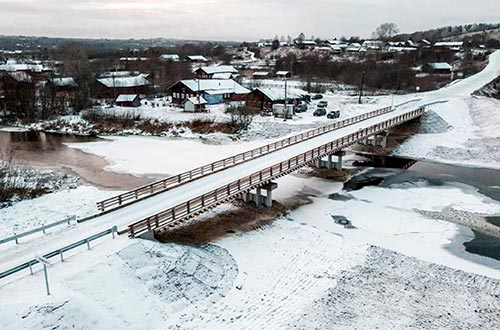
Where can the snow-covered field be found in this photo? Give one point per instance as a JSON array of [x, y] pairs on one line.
[[397, 269]]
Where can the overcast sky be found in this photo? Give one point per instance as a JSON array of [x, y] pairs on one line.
[[233, 19]]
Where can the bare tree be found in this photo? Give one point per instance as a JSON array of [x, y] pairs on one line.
[[76, 64], [386, 31], [242, 117]]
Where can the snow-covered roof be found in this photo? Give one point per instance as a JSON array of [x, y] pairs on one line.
[[261, 73], [226, 75], [278, 94], [119, 74], [170, 57], [64, 82], [309, 42], [219, 91], [126, 97], [395, 49], [133, 59], [215, 85], [136, 81], [218, 69], [282, 73], [440, 66], [21, 76], [197, 100], [449, 44], [198, 58], [23, 67]]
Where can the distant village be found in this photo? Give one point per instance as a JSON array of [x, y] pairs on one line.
[[42, 83]]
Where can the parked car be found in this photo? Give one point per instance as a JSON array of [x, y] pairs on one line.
[[319, 112], [333, 114], [323, 104], [302, 107], [317, 97]]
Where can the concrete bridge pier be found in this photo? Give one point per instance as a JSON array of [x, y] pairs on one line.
[[377, 140], [330, 163], [258, 198]]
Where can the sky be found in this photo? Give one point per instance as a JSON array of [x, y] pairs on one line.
[[233, 19]]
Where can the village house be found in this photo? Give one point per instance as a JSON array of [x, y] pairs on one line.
[[17, 92], [111, 87], [214, 91], [170, 57], [261, 75], [455, 46], [62, 92], [128, 100], [263, 99], [216, 72], [36, 69]]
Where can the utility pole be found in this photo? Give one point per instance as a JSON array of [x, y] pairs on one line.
[[198, 95], [286, 97], [361, 87]]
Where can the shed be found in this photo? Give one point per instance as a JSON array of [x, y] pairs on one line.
[[283, 74], [195, 104], [128, 100], [439, 67]]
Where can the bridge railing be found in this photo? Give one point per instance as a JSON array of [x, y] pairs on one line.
[[231, 190], [174, 181], [59, 252], [16, 237]]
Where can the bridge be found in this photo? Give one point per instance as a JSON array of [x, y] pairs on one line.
[[179, 198], [176, 199]]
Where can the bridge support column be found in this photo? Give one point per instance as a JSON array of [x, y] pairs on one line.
[[258, 198], [329, 163], [382, 139], [340, 160]]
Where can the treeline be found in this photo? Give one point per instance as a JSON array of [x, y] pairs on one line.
[[378, 75], [434, 35]]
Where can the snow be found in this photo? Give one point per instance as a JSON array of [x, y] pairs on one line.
[[63, 82], [197, 100], [126, 97], [277, 94], [440, 66], [301, 271], [139, 80], [218, 69], [214, 85]]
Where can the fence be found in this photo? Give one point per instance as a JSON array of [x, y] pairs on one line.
[[174, 181], [222, 194], [16, 237], [59, 252]]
